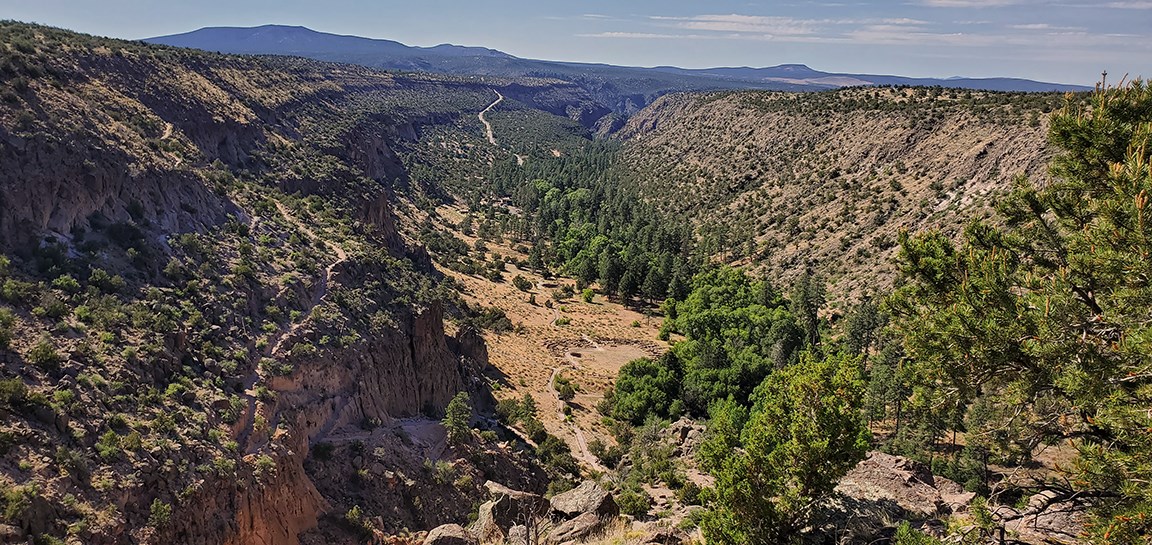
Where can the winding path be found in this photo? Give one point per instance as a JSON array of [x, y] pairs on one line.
[[277, 342], [487, 125], [325, 280], [168, 127], [585, 455]]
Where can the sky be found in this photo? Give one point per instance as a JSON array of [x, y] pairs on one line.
[[1065, 41]]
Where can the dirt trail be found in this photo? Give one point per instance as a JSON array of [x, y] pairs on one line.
[[277, 340], [583, 454], [168, 127], [487, 125], [325, 279]]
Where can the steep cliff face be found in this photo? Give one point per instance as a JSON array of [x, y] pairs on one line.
[[53, 188], [397, 374], [269, 508]]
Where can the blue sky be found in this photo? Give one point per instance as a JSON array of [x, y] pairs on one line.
[[1069, 41]]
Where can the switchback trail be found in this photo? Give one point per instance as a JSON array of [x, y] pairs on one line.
[[277, 341], [487, 125], [584, 454], [325, 279]]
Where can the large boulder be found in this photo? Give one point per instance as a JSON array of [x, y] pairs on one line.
[[577, 529], [505, 509], [907, 483], [686, 436], [589, 497], [665, 536], [450, 534], [1048, 518]]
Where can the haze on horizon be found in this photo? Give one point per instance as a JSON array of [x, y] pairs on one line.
[[1065, 41]]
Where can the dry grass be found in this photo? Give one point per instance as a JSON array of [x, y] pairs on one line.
[[590, 350]]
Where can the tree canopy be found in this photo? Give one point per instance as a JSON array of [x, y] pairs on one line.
[[1042, 321]]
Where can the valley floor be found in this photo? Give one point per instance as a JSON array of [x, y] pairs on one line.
[[585, 342]]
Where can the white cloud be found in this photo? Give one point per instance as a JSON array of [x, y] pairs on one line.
[[1044, 26], [896, 31], [1130, 5], [787, 26], [972, 3], [776, 26], [638, 36]]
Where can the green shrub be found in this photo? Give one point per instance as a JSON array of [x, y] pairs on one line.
[[443, 472], [508, 410], [634, 502], [906, 535], [7, 320], [17, 292], [609, 455], [13, 393], [16, 499], [303, 349], [44, 355], [108, 446], [565, 389], [66, 283], [274, 367], [45, 539], [689, 493], [159, 514], [64, 399], [264, 467], [72, 462], [534, 429], [521, 283], [358, 521]]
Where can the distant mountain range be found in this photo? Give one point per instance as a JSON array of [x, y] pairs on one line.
[[621, 88]]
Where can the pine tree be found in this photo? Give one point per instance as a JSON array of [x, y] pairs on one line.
[[1043, 318], [807, 299], [611, 270], [804, 432], [457, 419]]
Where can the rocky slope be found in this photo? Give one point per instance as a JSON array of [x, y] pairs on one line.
[[213, 329], [827, 180]]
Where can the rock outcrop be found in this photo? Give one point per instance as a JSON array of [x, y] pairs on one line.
[[909, 484], [665, 536], [884, 488], [686, 436], [581, 513], [508, 508], [450, 534], [576, 529], [588, 498]]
